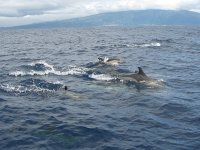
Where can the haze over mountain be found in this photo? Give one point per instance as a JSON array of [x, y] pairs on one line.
[[127, 19]]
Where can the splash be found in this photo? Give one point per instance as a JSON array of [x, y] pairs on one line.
[[20, 89], [102, 77], [105, 59], [32, 86], [153, 84], [18, 73], [153, 44], [42, 68], [42, 62]]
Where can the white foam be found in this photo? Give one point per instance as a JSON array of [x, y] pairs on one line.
[[56, 82], [72, 70], [154, 44], [22, 89], [43, 63], [105, 59], [76, 71], [154, 83], [102, 77], [18, 73], [126, 45], [32, 73]]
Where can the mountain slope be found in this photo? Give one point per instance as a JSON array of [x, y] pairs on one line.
[[127, 18]]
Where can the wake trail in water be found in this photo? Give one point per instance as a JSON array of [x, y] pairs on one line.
[[101, 77], [153, 44], [31, 85], [154, 84], [41, 68]]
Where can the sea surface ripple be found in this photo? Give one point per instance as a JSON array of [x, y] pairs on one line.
[[99, 112]]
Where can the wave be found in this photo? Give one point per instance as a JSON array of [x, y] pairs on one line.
[[102, 77], [120, 46], [19, 89], [31, 85], [153, 84], [163, 40], [2, 100], [42, 84], [42, 68], [41, 62], [153, 44]]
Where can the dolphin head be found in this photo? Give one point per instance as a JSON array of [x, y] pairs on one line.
[[65, 88], [100, 59]]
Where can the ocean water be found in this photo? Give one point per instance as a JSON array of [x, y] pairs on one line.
[[98, 111]]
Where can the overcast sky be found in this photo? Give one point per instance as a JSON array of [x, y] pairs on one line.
[[18, 12]]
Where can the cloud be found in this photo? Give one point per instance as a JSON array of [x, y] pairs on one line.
[[20, 8], [116, 5], [17, 12]]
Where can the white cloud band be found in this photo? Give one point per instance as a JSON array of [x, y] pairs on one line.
[[29, 11]]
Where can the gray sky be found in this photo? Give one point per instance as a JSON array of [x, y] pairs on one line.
[[18, 12]]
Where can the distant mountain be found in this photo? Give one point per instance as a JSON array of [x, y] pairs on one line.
[[126, 18]]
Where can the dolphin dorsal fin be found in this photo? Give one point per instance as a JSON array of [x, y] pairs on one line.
[[141, 72]]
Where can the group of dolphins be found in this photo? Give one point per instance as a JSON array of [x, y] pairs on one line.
[[136, 77]]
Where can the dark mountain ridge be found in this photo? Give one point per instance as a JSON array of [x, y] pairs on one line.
[[126, 18]]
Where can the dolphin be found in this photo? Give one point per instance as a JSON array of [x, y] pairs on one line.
[[66, 92], [138, 76], [110, 61], [65, 88]]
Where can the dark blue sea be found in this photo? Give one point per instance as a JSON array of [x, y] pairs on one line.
[[98, 111]]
